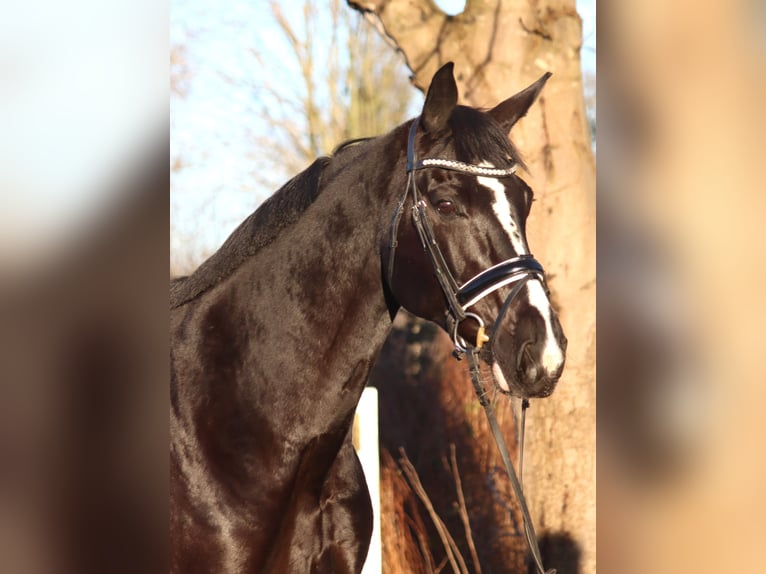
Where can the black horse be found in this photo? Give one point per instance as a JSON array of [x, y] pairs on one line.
[[273, 337]]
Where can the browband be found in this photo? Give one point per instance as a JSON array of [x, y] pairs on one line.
[[450, 164]]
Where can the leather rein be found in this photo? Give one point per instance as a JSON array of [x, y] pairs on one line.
[[515, 271]]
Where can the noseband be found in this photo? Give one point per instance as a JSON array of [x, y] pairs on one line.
[[459, 298], [515, 271]]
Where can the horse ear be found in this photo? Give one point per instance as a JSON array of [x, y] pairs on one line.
[[440, 100], [514, 108]]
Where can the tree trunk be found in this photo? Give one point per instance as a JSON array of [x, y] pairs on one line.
[[499, 48]]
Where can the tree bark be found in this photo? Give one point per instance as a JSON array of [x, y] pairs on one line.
[[500, 47]]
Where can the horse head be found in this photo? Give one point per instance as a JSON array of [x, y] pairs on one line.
[[462, 260]]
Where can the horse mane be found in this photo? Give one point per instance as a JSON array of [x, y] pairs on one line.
[[260, 228], [478, 137]]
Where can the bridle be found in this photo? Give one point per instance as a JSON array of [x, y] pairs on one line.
[[459, 298], [515, 271]]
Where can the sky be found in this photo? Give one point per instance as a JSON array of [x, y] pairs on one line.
[[213, 125]]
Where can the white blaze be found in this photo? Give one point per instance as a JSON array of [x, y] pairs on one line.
[[553, 355], [502, 209]]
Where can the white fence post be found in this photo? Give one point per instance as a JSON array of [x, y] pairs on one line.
[[365, 437]]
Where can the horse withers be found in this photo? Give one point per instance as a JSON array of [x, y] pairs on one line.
[[273, 337]]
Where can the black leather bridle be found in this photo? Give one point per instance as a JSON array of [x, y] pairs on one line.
[[459, 298], [515, 271]]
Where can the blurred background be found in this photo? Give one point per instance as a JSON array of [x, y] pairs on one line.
[[83, 276], [681, 271]]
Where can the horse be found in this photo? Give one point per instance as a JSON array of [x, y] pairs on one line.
[[273, 337]]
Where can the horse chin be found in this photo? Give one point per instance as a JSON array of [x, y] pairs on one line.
[[507, 382], [500, 381]]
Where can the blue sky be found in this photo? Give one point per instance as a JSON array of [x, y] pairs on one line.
[[213, 126]]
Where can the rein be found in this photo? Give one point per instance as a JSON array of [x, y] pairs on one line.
[[517, 271], [489, 410]]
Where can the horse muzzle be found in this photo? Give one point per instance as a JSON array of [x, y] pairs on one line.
[[528, 351]]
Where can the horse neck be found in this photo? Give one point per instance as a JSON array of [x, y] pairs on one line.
[[317, 294], [268, 365]]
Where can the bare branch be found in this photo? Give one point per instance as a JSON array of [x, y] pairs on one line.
[[415, 25], [463, 510], [285, 26], [453, 553]]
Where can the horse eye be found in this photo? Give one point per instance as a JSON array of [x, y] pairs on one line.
[[445, 207]]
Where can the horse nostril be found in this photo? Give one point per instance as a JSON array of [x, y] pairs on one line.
[[526, 364], [522, 355]]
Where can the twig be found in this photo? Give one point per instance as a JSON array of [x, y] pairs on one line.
[[463, 510], [423, 545], [449, 543]]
